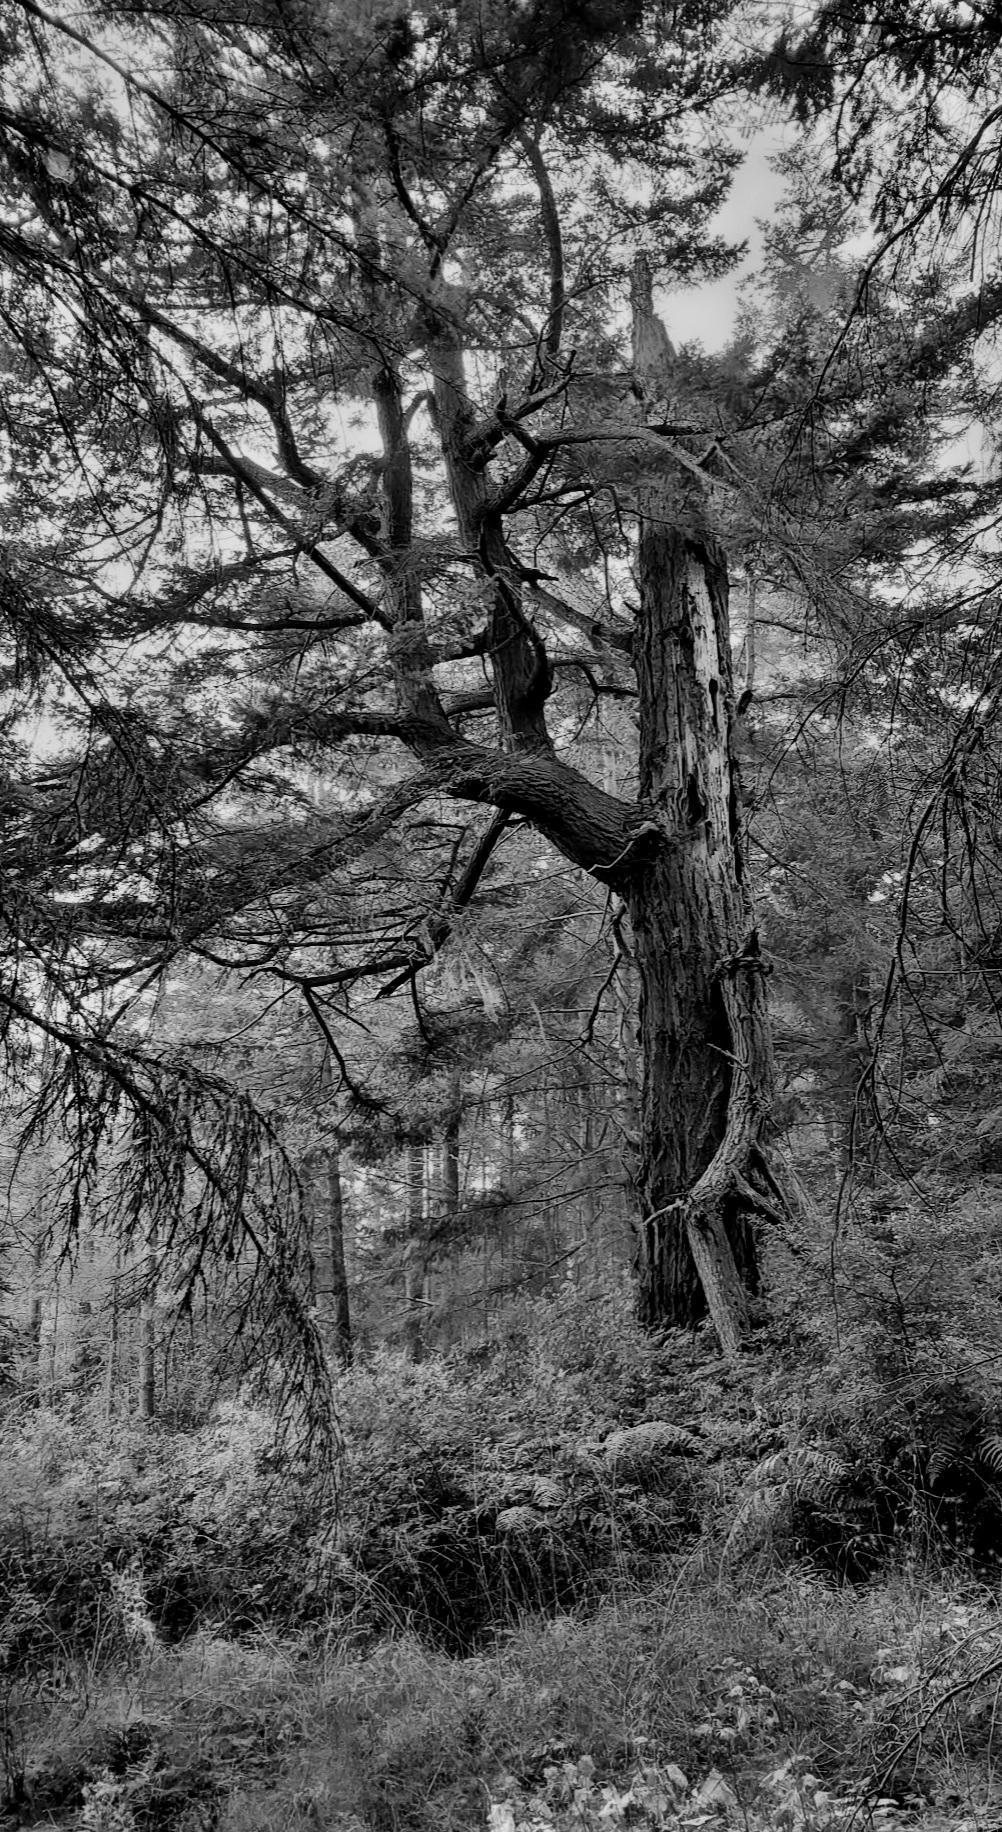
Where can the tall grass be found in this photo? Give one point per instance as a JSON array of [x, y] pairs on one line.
[[748, 1678]]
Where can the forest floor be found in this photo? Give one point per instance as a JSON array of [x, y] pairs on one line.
[[640, 1589], [775, 1701]]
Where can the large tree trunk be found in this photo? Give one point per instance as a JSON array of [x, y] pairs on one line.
[[675, 856], [705, 1040]]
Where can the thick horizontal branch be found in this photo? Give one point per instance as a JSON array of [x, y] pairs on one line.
[[595, 830], [607, 837]]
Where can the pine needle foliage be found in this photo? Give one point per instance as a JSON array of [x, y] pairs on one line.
[[184, 1170]]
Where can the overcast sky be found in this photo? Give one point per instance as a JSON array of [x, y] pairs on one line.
[[705, 312]]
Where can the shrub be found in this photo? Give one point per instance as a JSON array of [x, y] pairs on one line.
[[475, 1495], [99, 1531]]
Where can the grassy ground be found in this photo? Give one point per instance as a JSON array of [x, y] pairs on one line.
[[758, 1700]]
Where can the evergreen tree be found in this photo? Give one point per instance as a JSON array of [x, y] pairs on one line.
[[422, 227], [892, 317]]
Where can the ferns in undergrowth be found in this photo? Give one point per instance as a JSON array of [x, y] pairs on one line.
[[890, 1341], [768, 1497], [990, 1452]]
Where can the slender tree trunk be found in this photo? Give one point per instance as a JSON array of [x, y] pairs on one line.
[[415, 1251], [449, 1178], [339, 1264], [54, 1341], [148, 1332], [111, 1365], [35, 1318], [330, 1266], [591, 1207], [708, 1076], [447, 1189], [858, 1116]]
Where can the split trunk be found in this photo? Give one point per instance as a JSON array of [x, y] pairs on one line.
[[704, 1179]]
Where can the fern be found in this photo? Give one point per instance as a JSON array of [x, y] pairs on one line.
[[519, 1520], [821, 1476], [546, 1493], [804, 1472], [756, 1521], [640, 1445], [989, 1452]]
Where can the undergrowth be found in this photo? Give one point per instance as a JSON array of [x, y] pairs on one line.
[[772, 1701], [640, 1587]]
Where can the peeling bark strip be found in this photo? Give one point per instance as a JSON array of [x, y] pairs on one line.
[[704, 1026]]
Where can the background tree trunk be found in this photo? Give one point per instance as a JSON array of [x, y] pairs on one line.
[[449, 1178], [415, 1250], [111, 1363], [35, 1318], [330, 1266], [148, 1331]]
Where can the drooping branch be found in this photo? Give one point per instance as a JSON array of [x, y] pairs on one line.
[[267, 395], [244, 473], [439, 928], [201, 1160]]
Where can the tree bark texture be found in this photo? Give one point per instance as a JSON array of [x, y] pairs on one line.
[[708, 1073]]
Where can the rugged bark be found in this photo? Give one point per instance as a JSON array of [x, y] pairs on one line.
[[599, 832], [708, 1077], [676, 857]]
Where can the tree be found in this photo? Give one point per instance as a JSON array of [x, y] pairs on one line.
[[899, 112], [425, 224], [911, 93]]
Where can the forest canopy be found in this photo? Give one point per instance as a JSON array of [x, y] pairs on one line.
[[447, 725], [501, 916]]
